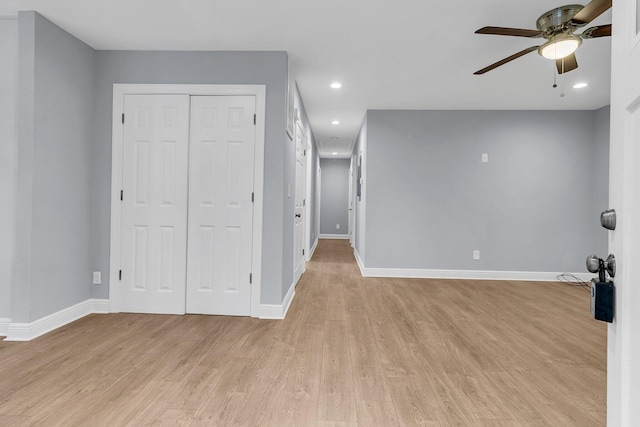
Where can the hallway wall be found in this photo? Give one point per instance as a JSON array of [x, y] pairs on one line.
[[8, 155], [53, 205], [533, 207]]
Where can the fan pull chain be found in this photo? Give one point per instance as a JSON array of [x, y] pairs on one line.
[[562, 81], [554, 69]]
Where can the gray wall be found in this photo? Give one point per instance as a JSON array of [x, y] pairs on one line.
[[269, 68], [334, 199], [360, 157], [53, 205], [8, 154], [314, 197], [601, 160], [430, 201]]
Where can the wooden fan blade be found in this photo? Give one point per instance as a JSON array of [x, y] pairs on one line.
[[507, 59], [570, 64], [595, 32], [503, 31], [590, 12]]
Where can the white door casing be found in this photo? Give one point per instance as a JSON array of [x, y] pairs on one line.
[[220, 205], [154, 193], [309, 201], [299, 201], [119, 93], [350, 204], [623, 344], [318, 196]]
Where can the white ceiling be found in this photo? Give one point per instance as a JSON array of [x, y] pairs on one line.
[[408, 54]]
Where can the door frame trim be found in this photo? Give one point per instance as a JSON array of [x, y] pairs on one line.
[[308, 202], [299, 126], [117, 139]]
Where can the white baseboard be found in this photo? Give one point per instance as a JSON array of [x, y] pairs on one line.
[[278, 311], [4, 324], [334, 236], [359, 261], [29, 331], [534, 276], [100, 306], [313, 249]]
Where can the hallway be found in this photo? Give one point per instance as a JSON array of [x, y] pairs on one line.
[[352, 351]]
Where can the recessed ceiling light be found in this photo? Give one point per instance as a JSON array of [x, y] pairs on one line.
[[334, 153], [580, 85], [336, 85], [335, 122]]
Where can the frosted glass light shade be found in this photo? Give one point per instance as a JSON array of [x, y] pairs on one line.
[[559, 47]]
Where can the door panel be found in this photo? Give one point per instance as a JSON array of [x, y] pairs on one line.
[[299, 212], [220, 205], [623, 370], [154, 226]]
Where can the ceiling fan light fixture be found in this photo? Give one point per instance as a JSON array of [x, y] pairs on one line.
[[560, 46]]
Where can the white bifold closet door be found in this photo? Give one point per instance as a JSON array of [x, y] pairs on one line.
[[220, 205], [187, 210], [154, 203]]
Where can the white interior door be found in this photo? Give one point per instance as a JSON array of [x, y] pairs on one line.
[[623, 369], [154, 203], [220, 205], [299, 220]]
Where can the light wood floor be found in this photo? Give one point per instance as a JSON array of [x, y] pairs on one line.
[[353, 351]]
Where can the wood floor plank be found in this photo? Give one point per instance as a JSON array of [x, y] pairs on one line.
[[335, 302], [299, 403], [353, 351], [337, 424], [368, 376], [376, 414], [14, 421], [337, 398]]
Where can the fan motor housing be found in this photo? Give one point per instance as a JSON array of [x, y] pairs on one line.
[[555, 19]]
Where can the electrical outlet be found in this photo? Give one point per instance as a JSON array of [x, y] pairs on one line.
[[337, 226], [485, 157], [476, 255], [97, 278]]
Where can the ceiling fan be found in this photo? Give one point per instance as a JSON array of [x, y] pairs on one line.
[[557, 26]]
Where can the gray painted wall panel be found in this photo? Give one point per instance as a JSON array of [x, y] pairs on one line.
[[431, 202], [162, 67], [8, 154], [53, 242], [601, 162], [21, 275], [334, 200], [360, 159], [315, 195]]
